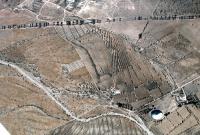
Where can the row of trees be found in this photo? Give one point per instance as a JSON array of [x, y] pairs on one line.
[[45, 24]]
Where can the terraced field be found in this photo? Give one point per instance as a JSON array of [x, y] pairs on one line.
[[109, 125]]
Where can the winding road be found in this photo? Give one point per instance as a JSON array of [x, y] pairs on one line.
[[130, 115]]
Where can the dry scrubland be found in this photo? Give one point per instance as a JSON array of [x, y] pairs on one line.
[[24, 108], [82, 75], [42, 52]]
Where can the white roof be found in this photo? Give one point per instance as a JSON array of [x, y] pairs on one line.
[[157, 115], [116, 92], [3, 130]]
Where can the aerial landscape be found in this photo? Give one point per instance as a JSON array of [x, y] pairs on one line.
[[99, 67]]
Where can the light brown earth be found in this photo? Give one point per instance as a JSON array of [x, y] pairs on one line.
[[169, 56], [26, 109]]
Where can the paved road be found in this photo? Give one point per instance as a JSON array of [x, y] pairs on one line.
[[131, 116]]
